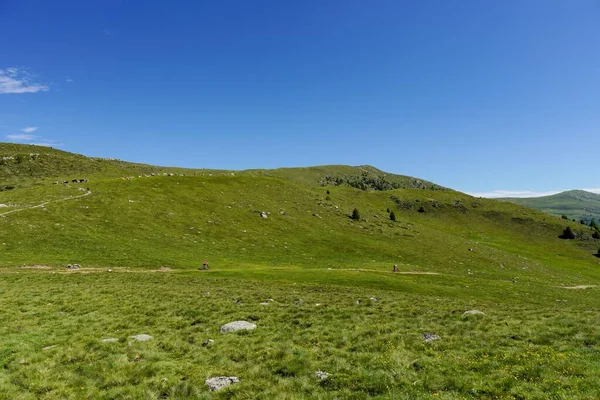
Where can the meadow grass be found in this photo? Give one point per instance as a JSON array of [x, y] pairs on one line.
[[540, 346], [537, 339]]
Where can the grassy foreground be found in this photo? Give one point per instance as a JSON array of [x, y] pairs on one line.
[[538, 342]]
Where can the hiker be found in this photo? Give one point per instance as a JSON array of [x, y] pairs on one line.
[[204, 265], [395, 269]]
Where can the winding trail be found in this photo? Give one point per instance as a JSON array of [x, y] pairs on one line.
[[45, 203]]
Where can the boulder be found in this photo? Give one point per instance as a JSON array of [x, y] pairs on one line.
[[141, 337], [473, 312], [220, 382], [430, 337], [238, 326], [321, 375]]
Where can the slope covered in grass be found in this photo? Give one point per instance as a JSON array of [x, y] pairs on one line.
[[337, 306], [575, 204]]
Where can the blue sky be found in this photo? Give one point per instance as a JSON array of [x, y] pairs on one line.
[[474, 95]]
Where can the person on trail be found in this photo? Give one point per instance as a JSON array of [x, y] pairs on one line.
[[395, 269], [204, 265]]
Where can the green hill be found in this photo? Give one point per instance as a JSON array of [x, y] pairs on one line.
[[284, 254], [575, 204]]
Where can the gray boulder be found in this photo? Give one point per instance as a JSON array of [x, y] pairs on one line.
[[430, 337], [321, 375], [141, 338], [220, 382], [473, 312], [238, 326]]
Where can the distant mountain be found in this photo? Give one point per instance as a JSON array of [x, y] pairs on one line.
[[575, 204]]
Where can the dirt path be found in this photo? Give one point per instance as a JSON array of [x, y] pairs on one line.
[[45, 203]]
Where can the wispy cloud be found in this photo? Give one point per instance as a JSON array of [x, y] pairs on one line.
[[15, 80], [597, 191], [494, 194], [28, 138], [69, 80], [21, 136]]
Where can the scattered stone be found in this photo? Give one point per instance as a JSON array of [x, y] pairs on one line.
[[473, 312], [207, 342], [321, 375], [270, 300], [237, 326], [265, 304], [237, 301], [357, 302], [110, 340], [318, 304], [375, 299], [264, 214], [49, 347], [299, 302], [470, 249], [220, 382], [73, 266], [141, 338], [430, 337]]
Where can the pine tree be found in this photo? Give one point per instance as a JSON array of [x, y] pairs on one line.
[[568, 233]]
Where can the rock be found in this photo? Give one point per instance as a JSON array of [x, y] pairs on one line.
[[110, 340], [220, 382], [141, 337], [264, 214], [430, 337], [207, 342], [265, 304], [237, 326], [73, 266], [375, 299], [49, 347], [321, 375], [473, 312]]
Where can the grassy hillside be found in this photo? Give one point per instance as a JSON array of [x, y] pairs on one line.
[[575, 204], [337, 306]]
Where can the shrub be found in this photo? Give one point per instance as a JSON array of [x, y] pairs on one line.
[[327, 198], [564, 217], [393, 216], [355, 214], [568, 233], [421, 209], [596, 235]]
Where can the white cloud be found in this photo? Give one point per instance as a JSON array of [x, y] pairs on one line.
[[597, 191], [21, 136], [67, 79], [14, 80], [521, 193], [28, 138], [46, 144]]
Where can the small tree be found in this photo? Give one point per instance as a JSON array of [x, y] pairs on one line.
[[564, 217], [568, 233], [355, 214], [596, 235], [393, 216]]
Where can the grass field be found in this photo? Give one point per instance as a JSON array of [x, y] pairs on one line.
[[536, 343], [538, 338]]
